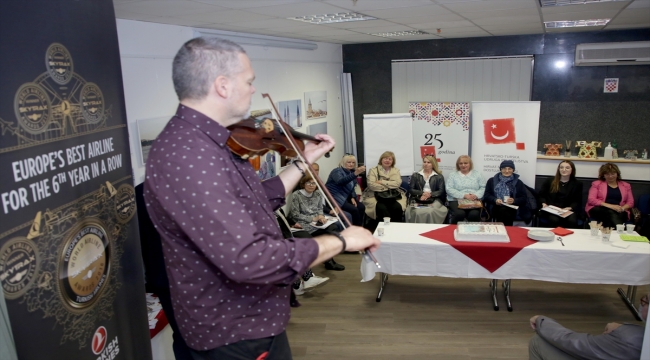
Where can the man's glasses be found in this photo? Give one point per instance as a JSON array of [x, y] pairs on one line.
[[310, 183]]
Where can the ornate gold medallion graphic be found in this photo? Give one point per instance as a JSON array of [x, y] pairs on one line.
[[19, 265], [124, 203], [33, 108], [84, 265], [59, 63], [92, 103]]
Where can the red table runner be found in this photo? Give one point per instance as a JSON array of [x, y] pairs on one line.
[[490, 255]]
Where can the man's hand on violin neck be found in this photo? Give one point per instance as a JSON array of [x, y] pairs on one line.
[[358, 239], [315, 151]]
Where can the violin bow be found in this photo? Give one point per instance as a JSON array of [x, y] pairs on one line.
[[328, 196]]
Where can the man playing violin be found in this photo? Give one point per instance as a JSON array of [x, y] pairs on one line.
[[230, 270]]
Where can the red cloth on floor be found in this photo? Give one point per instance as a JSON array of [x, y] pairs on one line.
[[490, 255]]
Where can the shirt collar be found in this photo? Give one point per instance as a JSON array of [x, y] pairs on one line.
[[203, 123]]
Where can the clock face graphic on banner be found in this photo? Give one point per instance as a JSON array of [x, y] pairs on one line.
[[84, 265]]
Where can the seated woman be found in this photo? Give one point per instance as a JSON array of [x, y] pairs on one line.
[[306, 208], [384, 180], [610, 198], [427, 187], [341, 183], [506, 188], [464, 183], [564, 192]]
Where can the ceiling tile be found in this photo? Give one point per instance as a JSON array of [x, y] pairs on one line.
[[299, 9], [359, 24], [428, 19], [442, 24], [508, 20], [611, 7], [381, 29], [324, 31], [225, 16], [406, 12], [491, 5], [513, 13], [639, 4], [167, 7], [244, 4], [583, 15], [363, 5]]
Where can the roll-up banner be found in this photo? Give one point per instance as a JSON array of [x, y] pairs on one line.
[[389, 132], [70, 262], [505, 130], [440, 129]]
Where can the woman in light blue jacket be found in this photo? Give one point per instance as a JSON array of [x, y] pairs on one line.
[[341, 184], [464, 183]]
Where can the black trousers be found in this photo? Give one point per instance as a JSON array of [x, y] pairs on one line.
[[388, 208], [276, 346], [504, 214], [458, 214], [608, 217]]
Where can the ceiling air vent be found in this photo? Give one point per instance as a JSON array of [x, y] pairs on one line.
[[620, 53]]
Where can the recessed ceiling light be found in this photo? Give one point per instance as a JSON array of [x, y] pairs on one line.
[[560, 64], [545, 3], [400, 33], [575, 23], [332, 18]]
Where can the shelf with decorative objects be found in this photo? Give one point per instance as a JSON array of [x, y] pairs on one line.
[[638, 169], [602, 160]]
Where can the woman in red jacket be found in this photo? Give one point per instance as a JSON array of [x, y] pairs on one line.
[[610, 198]]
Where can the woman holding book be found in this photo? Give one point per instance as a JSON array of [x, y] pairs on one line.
[[307, 212], [427, 191], [610, 198], [508, 193], [465, 185], [559, 195]]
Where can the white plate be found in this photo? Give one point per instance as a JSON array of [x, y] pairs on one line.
[[541, 235]]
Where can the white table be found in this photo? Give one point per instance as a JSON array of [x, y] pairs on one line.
[[583, 259]]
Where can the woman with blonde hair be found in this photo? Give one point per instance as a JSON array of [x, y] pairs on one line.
[[610, 198], [427, 188], [465, 183], [384, 180]]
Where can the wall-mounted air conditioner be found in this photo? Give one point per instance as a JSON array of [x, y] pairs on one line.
[[619, 53]]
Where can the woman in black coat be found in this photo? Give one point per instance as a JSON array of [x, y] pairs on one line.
[[562, 191]]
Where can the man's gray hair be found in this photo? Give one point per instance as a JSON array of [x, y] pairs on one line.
[[200, 61]]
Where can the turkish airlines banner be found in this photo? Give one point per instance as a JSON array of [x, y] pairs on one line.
[[505, 131], [440, 129], [70, 263]]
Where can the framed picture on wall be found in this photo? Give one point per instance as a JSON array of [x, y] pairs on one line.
[[148, 131], [291, 112], [316, 103]]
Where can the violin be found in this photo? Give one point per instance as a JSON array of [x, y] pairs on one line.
[[252, 137]]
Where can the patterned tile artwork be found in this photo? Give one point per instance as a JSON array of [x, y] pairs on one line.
[[441, 113]]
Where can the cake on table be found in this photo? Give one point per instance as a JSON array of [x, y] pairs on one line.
[[481, 232]]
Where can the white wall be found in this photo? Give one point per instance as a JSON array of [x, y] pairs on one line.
[[147, 50]]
